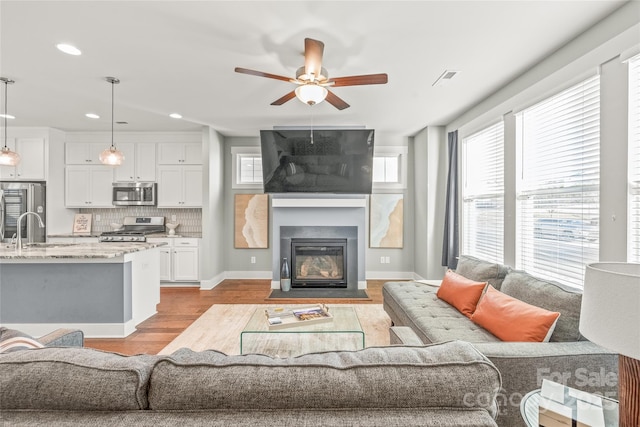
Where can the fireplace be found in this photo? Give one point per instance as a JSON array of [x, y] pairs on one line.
[[321, 257], [319, 263]]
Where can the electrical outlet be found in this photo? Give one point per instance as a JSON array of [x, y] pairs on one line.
[[98, 217], [173, 218], [381, 260], [387, 260], [253, 260]]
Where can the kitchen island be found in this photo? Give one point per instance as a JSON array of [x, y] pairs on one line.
[[104, 289]]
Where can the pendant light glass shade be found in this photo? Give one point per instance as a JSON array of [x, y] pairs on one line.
[[112, 156], [7, 157]]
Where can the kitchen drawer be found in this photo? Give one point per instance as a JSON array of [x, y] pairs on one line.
[[179, 242]]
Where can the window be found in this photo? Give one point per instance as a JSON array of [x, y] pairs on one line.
[[558, 187], [483, 194], [390, 167], [634, 160], [246, 167]]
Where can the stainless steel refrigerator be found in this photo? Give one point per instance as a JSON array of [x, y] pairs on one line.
[[17, 198]]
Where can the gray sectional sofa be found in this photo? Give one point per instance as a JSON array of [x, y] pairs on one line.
[[447, 384], [420, 317]]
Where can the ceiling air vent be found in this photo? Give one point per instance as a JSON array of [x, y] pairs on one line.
[[445, 77]]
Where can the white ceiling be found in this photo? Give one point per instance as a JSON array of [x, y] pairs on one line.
[[179, 56]]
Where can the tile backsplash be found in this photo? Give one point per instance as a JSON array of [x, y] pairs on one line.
[[190, 220]]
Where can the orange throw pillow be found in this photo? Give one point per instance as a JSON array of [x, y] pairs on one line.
[[513, 320], [460, 292]]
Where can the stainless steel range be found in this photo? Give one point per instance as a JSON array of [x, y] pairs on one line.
[[135, 229]]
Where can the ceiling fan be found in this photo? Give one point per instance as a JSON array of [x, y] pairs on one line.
[[312, 79]]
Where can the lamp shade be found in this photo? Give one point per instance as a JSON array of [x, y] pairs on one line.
[[311, 94], [111, 157], [610, 312], [8, 157]]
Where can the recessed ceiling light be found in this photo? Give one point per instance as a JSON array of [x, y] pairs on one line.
[[175, 116], [8, 116], [67, 48], [92, 116]]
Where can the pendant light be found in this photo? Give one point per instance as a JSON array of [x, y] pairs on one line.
[[112, 156], [7, 157]]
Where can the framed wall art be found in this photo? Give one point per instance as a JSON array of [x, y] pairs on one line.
[[386, 221], [251, 225]]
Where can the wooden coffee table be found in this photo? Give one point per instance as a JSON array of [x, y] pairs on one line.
[[343, 333]]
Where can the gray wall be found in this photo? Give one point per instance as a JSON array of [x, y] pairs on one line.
[[212, 248], [238, 261]]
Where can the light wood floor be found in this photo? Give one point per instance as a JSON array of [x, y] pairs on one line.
[[179, 307]]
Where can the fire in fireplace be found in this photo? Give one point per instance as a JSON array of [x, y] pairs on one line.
[[319, 263]]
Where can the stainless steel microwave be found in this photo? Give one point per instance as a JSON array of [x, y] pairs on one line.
[[134, 194]]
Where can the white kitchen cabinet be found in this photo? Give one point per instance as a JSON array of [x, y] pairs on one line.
[[88, 186], [139, 163], [32, 160], [180, 153], [165, 263], [84, 153], [179, 186], [179, 259]]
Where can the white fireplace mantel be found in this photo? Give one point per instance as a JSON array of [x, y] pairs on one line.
[[319, 203]]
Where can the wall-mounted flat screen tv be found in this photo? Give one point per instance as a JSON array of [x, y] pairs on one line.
[[333, 161]]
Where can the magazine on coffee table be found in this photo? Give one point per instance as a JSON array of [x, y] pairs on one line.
[[280, 318]]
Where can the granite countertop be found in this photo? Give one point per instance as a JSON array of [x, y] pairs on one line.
[[154, 235], [75, 250], [94, 234], [177, 235]]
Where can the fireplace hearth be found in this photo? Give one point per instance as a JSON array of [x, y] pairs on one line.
[[319, 263]]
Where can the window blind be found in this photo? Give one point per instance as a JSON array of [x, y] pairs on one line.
[[483, 194], [634, 160], [558, 189]]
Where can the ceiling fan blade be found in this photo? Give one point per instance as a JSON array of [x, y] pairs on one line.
[[313, 50], [285, 98], [334, 100], [367, 79], [261, 74]]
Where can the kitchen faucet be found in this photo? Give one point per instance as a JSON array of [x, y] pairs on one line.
[[19, 229]]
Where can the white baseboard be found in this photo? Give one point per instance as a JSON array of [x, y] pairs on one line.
[[90, 330], [209, 284]]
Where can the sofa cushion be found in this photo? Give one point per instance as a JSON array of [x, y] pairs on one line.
[[551, 296], [513, 320], [416, 305], [439, 375], [460, 292], [73, 379], [482, 271]]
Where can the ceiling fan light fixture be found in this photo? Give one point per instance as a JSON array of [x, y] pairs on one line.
[[311, 94], [7, 157], [302, 76]]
